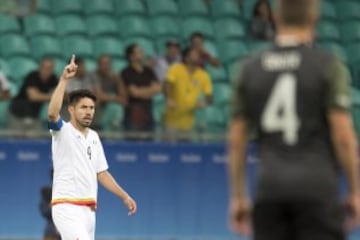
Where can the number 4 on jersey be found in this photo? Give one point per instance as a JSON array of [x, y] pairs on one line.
[[280, 113]]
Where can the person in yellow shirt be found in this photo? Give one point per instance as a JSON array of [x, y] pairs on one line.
[[187, 88]]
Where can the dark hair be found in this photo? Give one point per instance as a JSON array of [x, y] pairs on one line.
[[195, 35], [256, 11], [130, 50], [76, 95], [46, 58], [103, 56], [294, 12], [186, 52]]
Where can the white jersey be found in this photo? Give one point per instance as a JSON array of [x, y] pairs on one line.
[[77, 160]]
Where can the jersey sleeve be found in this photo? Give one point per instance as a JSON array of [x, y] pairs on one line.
[[206, 85], [338, 91], [237, 101], [55, 127], [102, 164]]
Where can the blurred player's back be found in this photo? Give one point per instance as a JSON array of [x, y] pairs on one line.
[[287, 96], [297, 97]]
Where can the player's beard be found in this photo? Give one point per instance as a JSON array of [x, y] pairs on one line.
[[85, 122]]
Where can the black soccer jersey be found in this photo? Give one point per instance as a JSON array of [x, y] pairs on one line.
[[286, 94]]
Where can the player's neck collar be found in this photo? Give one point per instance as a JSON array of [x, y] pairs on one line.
[[289, 41]]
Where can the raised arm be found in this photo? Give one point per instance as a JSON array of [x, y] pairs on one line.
[[108, 182], [58, 95]]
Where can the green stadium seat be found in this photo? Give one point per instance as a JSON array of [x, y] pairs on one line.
[[165, 27], [232, 50], [4, 106], [356, 119], [248, 8], [129, 7], [159, 99], [109, 46], [43, 113], [43, 6], [90, 64], [14, 45], [193, 8], [14, 88], [211, 48], [100, 25], [350, 31], [94, 7], [20, 67], [144, 43], [118, 64], [229, 29], [196, 24], [225, 9], [222, 94], [211, 118], [348, 10], [328, 31], [43, 46], [217, 74], [112, 117], [79, 46], [355, 95], [67, 6], [70, 25], [9, 24], [161, 7], [233, 69], [258, 46], [353, 52], [133, 26], [158, 111], [336, 49], [59, 65], [328, 10], [39, 24], [4, 67]]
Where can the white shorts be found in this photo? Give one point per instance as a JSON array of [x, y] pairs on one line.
[[74, 222]]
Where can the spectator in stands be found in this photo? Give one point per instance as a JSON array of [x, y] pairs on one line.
[[186, 82], [50, 232], [171, 56], [141, 86], [197, 43], [36, 89], [19, 8], [82, 80], [4, 87], [107, 87], [262, 25]]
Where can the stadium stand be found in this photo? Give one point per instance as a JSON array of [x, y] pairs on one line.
[[91, 29]]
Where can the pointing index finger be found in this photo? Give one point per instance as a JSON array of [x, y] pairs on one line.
[[72, 61]]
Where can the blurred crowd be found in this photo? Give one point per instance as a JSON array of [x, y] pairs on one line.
[[178, 76]]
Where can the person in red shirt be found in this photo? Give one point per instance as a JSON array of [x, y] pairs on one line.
[[197, 42]]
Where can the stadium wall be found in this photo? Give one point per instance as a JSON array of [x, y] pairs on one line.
[[181, 190]]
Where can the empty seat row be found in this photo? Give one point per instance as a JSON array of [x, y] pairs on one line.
[[183, 8], [40, 46], [125, 27], [347, 32]]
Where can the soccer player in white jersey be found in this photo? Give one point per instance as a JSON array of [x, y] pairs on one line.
[[79, 163]]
